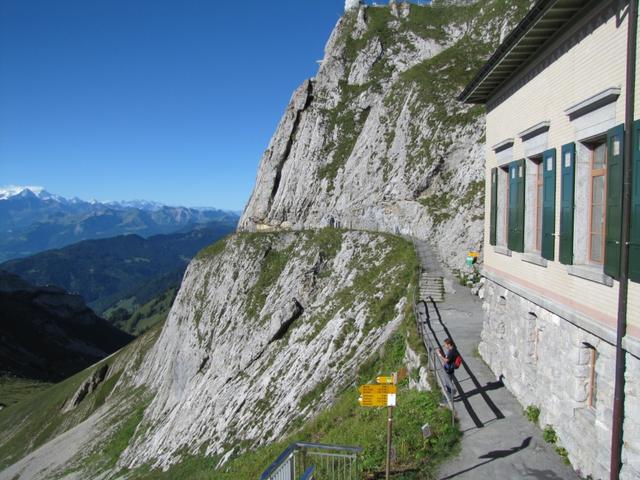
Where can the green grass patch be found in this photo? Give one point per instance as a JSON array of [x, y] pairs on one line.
[[14, 390], [532, 412], [214, 249], [272, 267], [144, 317], [549, 434], [108, 450], [26, 425]]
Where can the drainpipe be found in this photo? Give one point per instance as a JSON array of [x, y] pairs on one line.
[[618, 399]]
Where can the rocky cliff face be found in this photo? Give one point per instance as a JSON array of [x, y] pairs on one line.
[[377, 140], [264, 332]]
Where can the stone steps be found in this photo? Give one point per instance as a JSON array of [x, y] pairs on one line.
[[431, 286]]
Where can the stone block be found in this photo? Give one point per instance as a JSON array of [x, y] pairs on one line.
[[580, 391]]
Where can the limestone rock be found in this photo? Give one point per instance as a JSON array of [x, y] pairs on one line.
[[256, 331], [351, 4], [377, 140]]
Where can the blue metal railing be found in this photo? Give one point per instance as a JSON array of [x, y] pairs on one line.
[[310, 461]]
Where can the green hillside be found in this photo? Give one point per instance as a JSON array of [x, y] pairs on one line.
[[145, 316], [128, 269]]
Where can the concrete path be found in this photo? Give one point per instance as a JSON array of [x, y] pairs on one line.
[[498, 441]]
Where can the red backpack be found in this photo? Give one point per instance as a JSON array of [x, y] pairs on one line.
[[457, 362]]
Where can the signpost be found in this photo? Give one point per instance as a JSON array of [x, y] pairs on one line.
[[384, 379], [377, 389], [383, 395]]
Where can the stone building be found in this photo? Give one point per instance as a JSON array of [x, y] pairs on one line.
[[555, 93]]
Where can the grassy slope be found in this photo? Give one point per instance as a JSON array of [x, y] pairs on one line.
[[14, 390], [146, 316], [346, 422], [37, 419]]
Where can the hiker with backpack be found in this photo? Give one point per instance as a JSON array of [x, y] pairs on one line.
[[451, 360]]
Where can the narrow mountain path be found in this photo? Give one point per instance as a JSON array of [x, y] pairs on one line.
[[498, 441]]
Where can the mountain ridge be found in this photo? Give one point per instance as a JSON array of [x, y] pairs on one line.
[[48, 334], [33, 222], [107, 271], [377, 140]]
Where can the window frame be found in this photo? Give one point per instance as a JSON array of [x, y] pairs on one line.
[[594, 173]]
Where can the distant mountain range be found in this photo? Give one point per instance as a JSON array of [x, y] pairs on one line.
[[48, 334], [120, 272], [33, 220]]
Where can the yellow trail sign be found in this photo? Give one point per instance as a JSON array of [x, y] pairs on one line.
[[377, 400], [384, 379], [377, 389]]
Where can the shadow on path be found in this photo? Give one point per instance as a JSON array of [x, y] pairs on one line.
[[494, 455], [474, 416], [479, 388], [487, 388]]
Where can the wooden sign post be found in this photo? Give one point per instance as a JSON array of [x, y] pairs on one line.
[[389, 431], [383, 395]]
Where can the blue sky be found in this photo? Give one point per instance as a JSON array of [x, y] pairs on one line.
[[172, 101]]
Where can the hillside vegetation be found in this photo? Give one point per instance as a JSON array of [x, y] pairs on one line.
[[353, 289], [121, 272], [47, 334]]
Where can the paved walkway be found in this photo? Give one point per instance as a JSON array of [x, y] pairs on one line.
[[498, 441]]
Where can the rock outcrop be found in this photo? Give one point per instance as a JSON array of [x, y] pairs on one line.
[[377, 140], [265, 330]]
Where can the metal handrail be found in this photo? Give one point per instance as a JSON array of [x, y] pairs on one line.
[[308, 474], [290, 451], [432, 345]]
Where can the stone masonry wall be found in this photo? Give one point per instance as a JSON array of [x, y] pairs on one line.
[[545, 361]]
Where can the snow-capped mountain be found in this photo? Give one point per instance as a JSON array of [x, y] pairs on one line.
[[33, 220], [9, 191]]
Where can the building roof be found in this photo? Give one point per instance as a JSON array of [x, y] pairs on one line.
[[545, 20]]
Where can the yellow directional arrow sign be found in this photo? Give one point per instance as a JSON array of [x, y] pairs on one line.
[[377, 389], [384, 379], [377, 400]]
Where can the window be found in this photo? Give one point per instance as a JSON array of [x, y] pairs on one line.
[[597, 202], [534, 202], [516, 206], [591, 205], [505, 219]]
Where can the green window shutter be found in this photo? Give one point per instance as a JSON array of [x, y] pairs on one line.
[[567, 185], [549, 204], [634, 245], [516, 206], [613, 227], [493, 219]]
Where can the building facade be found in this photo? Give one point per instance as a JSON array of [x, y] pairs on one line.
[[555, 98]]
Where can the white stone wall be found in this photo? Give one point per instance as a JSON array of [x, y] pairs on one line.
[[544, 362]]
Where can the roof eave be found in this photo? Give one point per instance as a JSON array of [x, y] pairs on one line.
[[469, 94]]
